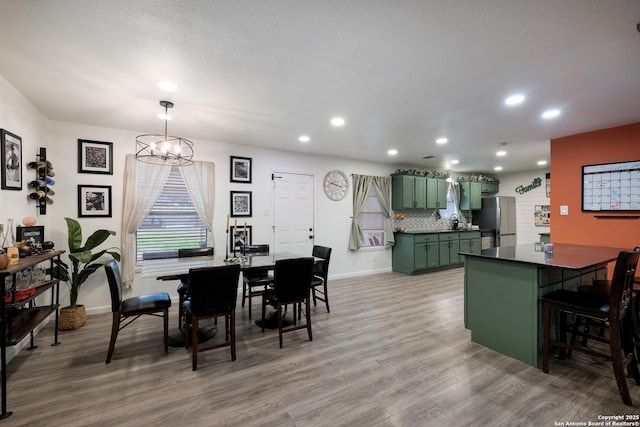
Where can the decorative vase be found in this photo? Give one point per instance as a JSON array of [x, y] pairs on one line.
[[72, 318], [4, 261]]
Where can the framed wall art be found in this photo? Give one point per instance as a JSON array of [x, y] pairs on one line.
[[240, 203], [242, 233], [11, 146], [94, 201], [95, 157], [542, 215], [240, 169]]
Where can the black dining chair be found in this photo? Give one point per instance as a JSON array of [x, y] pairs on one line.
[[291, 285], [156, 304], [614, 310], [183, 287], [320, 275], [255, 281], [213, 293]]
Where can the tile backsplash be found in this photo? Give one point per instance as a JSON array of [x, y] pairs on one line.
[[427, 219]]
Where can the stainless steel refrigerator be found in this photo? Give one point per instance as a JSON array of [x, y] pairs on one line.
[[498, 213]]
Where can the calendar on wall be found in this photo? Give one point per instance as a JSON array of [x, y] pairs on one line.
[[611, 187]]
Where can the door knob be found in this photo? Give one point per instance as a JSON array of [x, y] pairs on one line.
[[311, 237]]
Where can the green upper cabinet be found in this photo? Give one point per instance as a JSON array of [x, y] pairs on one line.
[[489, 187], [470, 195], [437, 193], [408, 192]]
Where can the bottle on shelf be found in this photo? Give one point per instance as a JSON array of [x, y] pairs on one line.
[[50, 181], [37, 184], [51, 173], [37, 195], [36, 165]]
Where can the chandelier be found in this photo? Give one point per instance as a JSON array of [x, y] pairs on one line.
[[164, 149]]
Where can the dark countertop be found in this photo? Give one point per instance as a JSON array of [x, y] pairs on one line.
[[544, 234], [433, 231], [564, 255]]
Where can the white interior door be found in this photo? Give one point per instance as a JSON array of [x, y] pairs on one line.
[[293, 213]]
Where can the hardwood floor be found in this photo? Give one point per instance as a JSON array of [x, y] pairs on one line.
[[392, 352]]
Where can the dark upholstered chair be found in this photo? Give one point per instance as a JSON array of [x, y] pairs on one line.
[[214, 291], [254, 282], [134, 307], [183, 288], [320, 275], [612, 309], [291, 285]]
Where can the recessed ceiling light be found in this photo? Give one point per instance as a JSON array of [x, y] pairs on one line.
[[501, 153], [441, 141], [514, 99], [392, 152], [550, 114], [304, 138], [542, 162], [337, 121], [497, 168], [455, 162], [168, 86]]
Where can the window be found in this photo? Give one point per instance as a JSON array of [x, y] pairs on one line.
[[451, 208], [172, 223], [371, 220]]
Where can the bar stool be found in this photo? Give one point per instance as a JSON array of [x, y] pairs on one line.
[[614, 310]]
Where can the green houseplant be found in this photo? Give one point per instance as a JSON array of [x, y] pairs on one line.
[[84, 262]]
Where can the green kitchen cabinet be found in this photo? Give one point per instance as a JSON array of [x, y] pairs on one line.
[[408, 192], [449, 246], [470, 195], [437, 193], [471, 242], [489, 187], [425, 252]]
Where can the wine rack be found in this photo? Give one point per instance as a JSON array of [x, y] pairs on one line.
[[41, 191]]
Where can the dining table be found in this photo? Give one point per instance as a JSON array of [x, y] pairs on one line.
[[172, 269]]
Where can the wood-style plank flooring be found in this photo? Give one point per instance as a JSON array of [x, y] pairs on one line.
[[392, 352]]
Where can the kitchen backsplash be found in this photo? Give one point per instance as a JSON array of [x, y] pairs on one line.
[[424, 220]]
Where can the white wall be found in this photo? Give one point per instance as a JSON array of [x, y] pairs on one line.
[[526, 230], [332, 219]]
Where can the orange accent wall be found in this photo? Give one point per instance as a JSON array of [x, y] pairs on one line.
[[568, 155]]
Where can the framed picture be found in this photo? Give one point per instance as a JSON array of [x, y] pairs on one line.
[[240, 203], [542, 215], [94, 201], [11, 161], [242, 233], [95, 157], [240, 169]]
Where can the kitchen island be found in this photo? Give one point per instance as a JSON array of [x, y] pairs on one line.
[[502, 287]]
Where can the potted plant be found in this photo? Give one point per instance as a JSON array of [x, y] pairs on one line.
[[83, 264]]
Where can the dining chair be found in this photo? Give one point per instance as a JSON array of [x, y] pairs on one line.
[[255, 281], [156, 304], [183, 287], [291, 285], [213, 293], [320, 275], [612, 309]]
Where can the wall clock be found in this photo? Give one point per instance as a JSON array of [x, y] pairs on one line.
[[336, 185]]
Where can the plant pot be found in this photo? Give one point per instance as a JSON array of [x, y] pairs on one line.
[[72, 318]]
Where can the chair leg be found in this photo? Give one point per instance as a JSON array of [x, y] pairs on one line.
[[233, 335], [244, 291], [615, 336], [546, 333], [165, 320], [313, 293], [326, 297], [194, 342], [180, 310], [279, 310], [308, 310], [264, 310], [115, 328]]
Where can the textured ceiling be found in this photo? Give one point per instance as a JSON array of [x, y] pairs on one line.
[[401, 72]]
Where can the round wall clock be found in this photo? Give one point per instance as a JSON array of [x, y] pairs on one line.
[[336, 185]]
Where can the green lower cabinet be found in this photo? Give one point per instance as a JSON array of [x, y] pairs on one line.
[[449, 247], [470, 242], [425, 255], [421, 253]]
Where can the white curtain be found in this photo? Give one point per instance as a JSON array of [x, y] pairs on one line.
[[199, 180], [143, 183], [383, 188], [361, 185]]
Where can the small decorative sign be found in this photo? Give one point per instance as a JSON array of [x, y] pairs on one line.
[[521, 189], [34, 234]]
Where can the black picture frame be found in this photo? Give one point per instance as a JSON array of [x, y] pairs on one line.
[[240, 203], [25, 234], [94, 201], [95, 157], [236, 245], [11, 145], [240, 169]]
